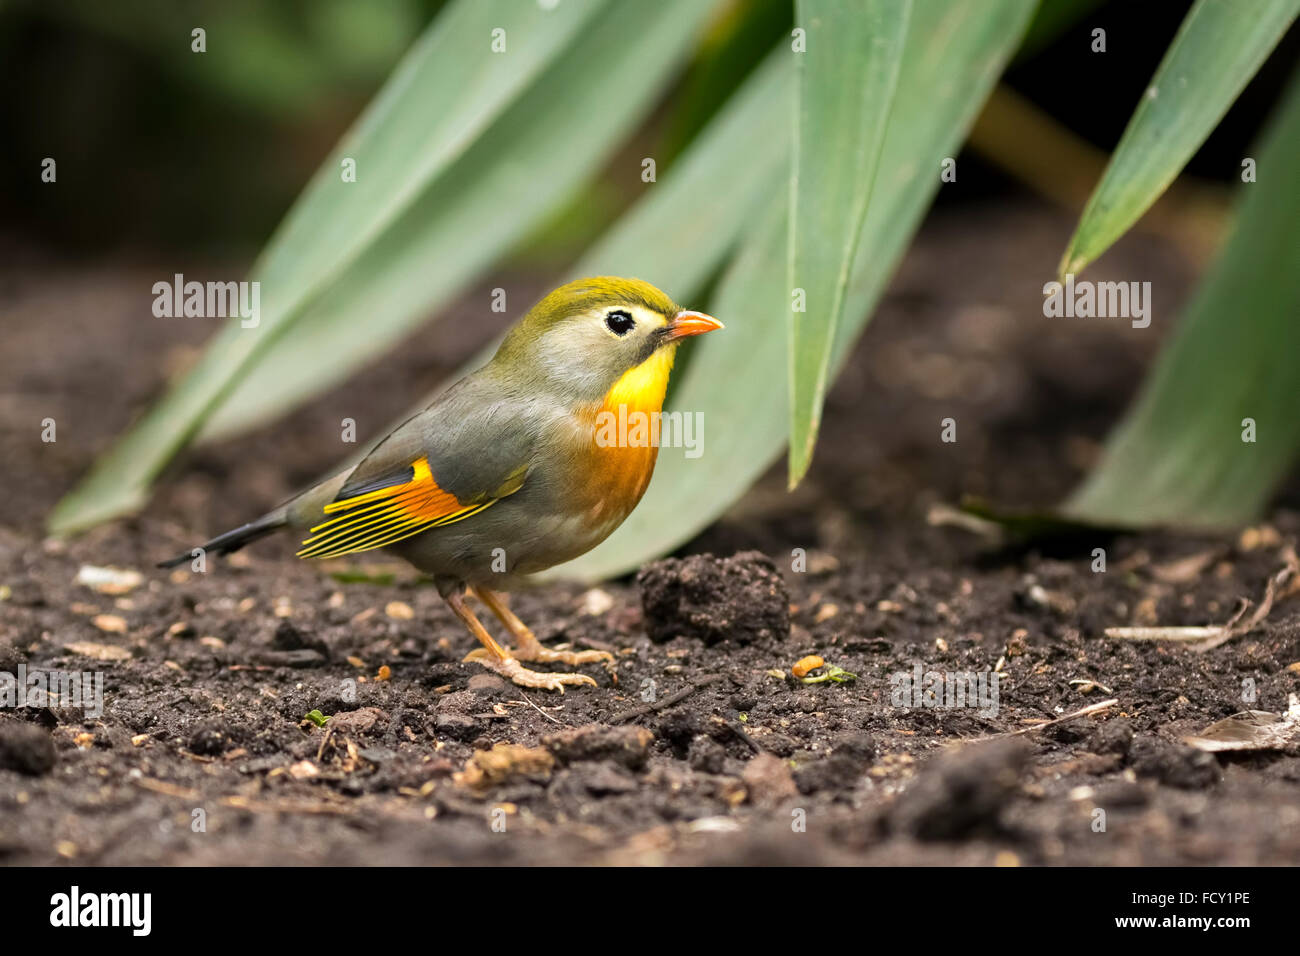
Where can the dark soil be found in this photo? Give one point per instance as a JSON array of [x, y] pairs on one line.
[[699, 747]]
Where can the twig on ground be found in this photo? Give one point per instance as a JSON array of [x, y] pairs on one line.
[[285, 806], [1081, 712], [168, 789], [739, 731], [1185, 634], [525, 699], [1218, 635], [668, 701], [1086, 684], [945, 516], [1275, 584]]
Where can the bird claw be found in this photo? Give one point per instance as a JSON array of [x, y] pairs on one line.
[[515, 672], [545, 655]]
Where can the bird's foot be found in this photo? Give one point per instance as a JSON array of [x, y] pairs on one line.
[[527, 646], [512, 670], [535, 652]]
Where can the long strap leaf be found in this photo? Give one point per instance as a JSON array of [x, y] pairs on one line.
[[846, 81], [1217, 424], [1219, 46]]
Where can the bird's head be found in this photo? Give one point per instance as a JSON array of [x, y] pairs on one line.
[[597, 340]]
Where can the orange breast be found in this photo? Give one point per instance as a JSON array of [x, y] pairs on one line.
[[625, 440], [619, 460]]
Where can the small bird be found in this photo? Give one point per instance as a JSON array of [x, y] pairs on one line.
[[512, 470]]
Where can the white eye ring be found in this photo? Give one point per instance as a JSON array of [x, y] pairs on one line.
[[619, 321]]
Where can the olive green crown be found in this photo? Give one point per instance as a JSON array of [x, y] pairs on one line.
[[584, 295]]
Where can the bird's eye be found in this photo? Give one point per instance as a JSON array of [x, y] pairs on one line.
[[619, 322]]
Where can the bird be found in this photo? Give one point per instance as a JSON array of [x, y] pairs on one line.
[[513, 469]]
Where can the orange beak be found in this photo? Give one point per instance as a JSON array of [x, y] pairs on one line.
[[686, 323]]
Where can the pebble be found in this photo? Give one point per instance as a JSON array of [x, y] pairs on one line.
[[110, 623], [487, 685], [825, 613], [209, 739], [457, 726], [26, 748], [399, 611]]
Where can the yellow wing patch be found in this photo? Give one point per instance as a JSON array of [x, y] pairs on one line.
[[385, 516]]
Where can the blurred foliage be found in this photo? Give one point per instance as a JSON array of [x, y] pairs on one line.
[[1180, 457], [277, 58], [206, 150], [740, 36]]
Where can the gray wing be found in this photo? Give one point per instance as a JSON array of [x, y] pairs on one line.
[[475, 436], [471, 447]]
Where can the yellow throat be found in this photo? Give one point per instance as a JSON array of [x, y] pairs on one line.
[[642, 388]]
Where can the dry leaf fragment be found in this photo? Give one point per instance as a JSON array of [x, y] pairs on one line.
[[109, 580], [825, 613], [1251, 730], [110, 623], [489, 768], [100, 652], [596, 602]]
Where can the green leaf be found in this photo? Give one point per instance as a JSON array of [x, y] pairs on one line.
[[953, 55], [1219, 46], [439, 194], [1179, 455], [691, 219], [316, 717], [1050, 21], [846, 83]]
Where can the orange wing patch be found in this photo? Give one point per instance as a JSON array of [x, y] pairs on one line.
[[387, 515]]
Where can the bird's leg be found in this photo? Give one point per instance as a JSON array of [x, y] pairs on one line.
[[527, 646], [495, 658]]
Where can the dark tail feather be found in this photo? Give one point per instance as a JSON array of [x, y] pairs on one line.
[[234, 540]]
